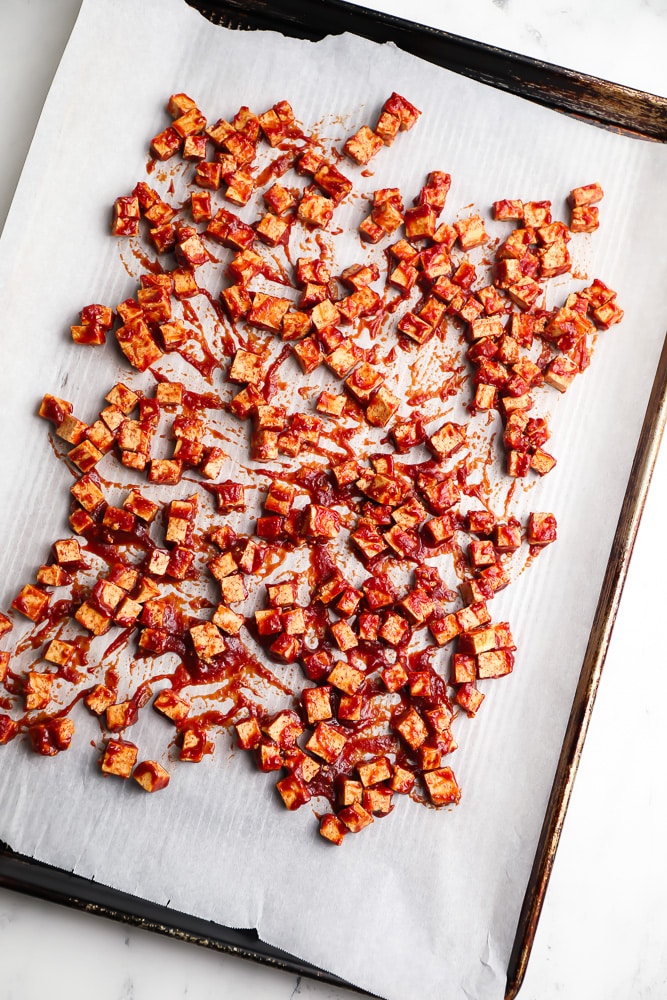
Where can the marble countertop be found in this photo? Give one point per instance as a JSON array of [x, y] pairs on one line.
[[603, 929]]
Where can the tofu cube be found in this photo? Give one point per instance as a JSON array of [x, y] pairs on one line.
[[100, 698], [363, 145], [332, 828], [246, 368], [315, 210], [471, 232], [494, 663], [411, 727], [469, 698], [227, 621], [37, 690], [382, 407], [248, 733], [293, 791], [194, 744], [326, 742], [442, 786], [542, 528], [448, 439], [346, 678], [151, 776], [344, 636], [420, 222], [394, 629], [355, 817], [119, 758], [317, 703], [444, 628], [172, 705], [373, 772], [206, 640]]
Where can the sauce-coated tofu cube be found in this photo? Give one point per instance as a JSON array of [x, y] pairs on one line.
[[542, 528], [315, 210], [469, 697], [293, 791], [471, 232], [151, 776], [207, 640], [37, 690], [326, 742], [442, 786], [411, 727], [317, 703], [372, 772], [172, 705], [248, 733], [494, 663], [119, 758], [332, 828], [363, 145]]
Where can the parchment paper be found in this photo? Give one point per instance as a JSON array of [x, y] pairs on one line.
[[425, 903]]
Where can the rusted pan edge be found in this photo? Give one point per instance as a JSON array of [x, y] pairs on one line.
[[589, 679], [599, 102]]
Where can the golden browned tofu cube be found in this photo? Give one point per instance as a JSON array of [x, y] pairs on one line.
[[332, 829], [326, 742], [363, 145], [315, 210], [494, 663], [37, 690], [344, 636], [227, 620], [469, 698], [119, 758], [542, 528], [31, 602], [172, 705], [222, 565], [207, 640], [442, 786], [355, 817], [377, 800], [473, 616], [233, 589], [248, 733], [246, 368], [382, 407], [60, 652], [165, 471], [374, 771], [345, 677], [444, 629], [99, 698], [411, 727], [120, 715], [137, 344], [317, 703], [448, 439], [151, 775], [293, 791], [471, 232]]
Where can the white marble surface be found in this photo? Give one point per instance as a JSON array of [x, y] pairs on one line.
[[603, 930]]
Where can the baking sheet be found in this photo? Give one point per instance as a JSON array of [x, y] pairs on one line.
[[444, 890]]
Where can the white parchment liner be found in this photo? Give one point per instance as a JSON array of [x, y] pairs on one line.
[[425, 903]]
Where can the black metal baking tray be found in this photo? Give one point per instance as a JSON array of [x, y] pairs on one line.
[[601, 103]]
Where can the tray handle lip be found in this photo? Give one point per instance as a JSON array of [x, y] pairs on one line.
[[612, 105]]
